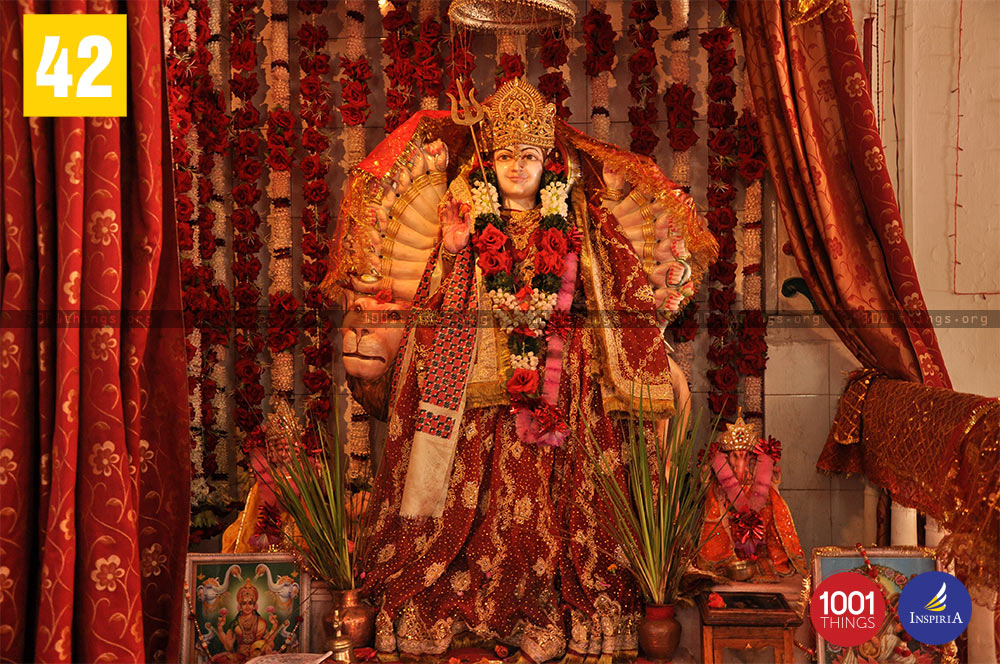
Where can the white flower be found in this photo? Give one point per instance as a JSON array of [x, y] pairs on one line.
[[485, 199], [554, 199]]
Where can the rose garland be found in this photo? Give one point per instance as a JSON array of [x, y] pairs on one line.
[[744, 507], [314, 97], [354, 74], [509, 67], [535, 315], [427, 59], [247, 169], [552, 84], [679, 96], [643, 87], [724, 350], [397, 43], [599, 41], [213, 141], [181, 81]]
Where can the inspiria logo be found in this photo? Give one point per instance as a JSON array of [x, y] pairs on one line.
[[934, 608]]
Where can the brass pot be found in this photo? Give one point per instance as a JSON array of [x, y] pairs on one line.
[[739, 570], [659, 632], [357, 619]]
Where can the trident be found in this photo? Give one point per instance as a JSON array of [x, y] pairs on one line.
[[467, 111]]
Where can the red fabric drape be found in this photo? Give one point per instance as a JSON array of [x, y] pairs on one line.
[[93, 405], [825, 157]]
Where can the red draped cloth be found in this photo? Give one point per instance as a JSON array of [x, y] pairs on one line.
[[825, 156], [93, 429]]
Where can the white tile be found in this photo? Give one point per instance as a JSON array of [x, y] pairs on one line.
[[842, 362], [801, 423], [797, 368], [811, 513]]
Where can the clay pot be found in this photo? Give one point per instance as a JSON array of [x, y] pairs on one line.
[[659, 632], [357, 619]]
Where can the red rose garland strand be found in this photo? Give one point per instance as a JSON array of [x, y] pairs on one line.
[[724, 350], [181, 82], [247, 169], [315, 103], [552, 84], [427, 59], [510, 66], [599, 42], [643, 87], [398, 44], [354, 74]]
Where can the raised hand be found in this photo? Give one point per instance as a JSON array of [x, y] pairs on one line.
[[456, 222]]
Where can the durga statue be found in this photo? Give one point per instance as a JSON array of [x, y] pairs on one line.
[[535, 268]]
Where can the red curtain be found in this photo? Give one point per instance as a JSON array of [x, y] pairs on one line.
[[826, 160], [94, 462]]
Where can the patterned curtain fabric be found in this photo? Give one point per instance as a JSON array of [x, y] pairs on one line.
[[825, 156], [94, 467]]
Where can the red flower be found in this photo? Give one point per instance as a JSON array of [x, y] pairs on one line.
[[721, 195], [720, 115], [682, 139], [246, 194], [180, 37], [511, 67], [184, 208], [722, 142], [397, 18], [642, 62], [248, 169], [314, 141], [643, 10], [354, 115], [313, 271], [721, 62], [751, 169], [492, 262], [317, 380], [554, 50], [313, 36], [725, 378], [279, 339], [721, 299], [358, 70], [243, 54], [312, 6], [430, 31], [547, 262], [723, 271], [523, 383], [313, 167], [318, 355], [715, 601], [247, 117], [644, 139], [722, 403], [721, 88], [553, 240], [245, 220], [549, 418], [185, 237], [719, 38], [316, 191], [490, 239]]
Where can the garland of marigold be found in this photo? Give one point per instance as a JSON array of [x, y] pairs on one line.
[[724, 350], [315, 99], [247, 170], [643, 87]]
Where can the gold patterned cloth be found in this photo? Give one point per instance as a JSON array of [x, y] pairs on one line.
[[933, 449]]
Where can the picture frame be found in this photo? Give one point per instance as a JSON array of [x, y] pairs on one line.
[[895, 565], [212, 630]]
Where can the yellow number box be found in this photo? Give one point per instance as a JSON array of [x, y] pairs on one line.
[[75, 65]]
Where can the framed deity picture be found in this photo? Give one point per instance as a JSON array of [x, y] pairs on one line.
[[241, 606], [895, 566]]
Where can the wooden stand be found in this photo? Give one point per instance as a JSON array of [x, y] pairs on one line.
[[750, 621]]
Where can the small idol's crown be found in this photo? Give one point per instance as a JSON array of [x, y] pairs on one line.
[[738, 436], [518, 113], [247, 589]]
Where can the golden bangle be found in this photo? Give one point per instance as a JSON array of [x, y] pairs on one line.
[[612, 194], [447, 256]]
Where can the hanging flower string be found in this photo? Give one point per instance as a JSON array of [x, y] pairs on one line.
[[509, 67], [398, 45], [354, 74], [461, 63], [643, 87], [552, 84], [679, 97], [599, 42], [247, 169], [427, 59], [534, 315], [315, 104], [724, 350], [180, 17], [213, 142]]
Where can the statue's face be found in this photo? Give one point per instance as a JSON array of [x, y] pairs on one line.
[[519, 174], [738, 461], [373, 331]]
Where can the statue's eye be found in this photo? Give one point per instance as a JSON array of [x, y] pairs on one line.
[[357, 308], [504, 156]]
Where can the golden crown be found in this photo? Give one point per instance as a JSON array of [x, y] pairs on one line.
[[738, 436], [247, 589], [517, 113]]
